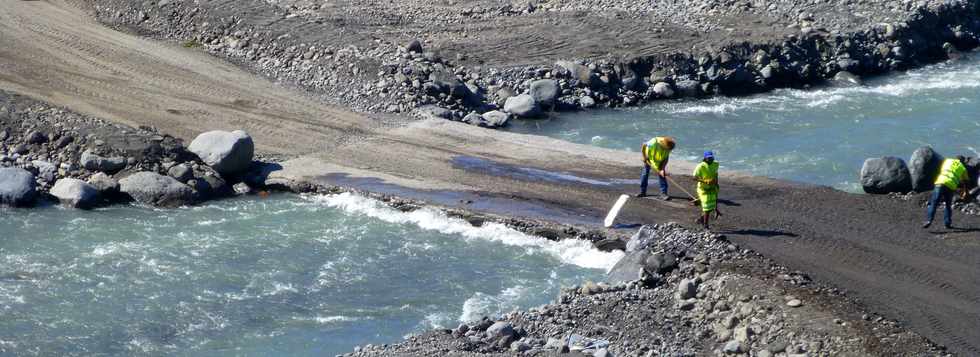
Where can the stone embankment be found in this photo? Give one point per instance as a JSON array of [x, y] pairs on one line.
[[679, 293], [914, 180], [50, 154], [341, 54]]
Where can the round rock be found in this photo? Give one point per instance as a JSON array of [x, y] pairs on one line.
[[523, 106], [17, 187], [885, 175], [544, 92], [924, 167], [75, 193], [154, 189], [228, 153]]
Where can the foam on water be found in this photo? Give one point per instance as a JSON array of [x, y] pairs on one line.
[[572, 251]]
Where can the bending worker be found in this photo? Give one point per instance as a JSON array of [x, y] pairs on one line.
[[952, 177], [656, 153], [706, 175]]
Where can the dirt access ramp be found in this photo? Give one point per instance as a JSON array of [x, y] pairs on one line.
[[867, 245]]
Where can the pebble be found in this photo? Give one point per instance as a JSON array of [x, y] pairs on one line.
[[794, 303]]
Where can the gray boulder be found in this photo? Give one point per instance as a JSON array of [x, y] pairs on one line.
[[94, 162], [688, 88], [544, 92], [491, 119], [523, 106], [75, 193], [105, 184], [686, 289], [663, 90], [586, 102], [885, 175], [640, 265], [847, 78], [228, 153], [181, 172], [17, 187], [642, 239], [496, 118], [924, 167], [414, 46], [579, 72], [500, 329], [433, 112], [154, 189], [45, 170]]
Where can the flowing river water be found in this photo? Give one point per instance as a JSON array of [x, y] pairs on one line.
[[285, 275], [819, 136]]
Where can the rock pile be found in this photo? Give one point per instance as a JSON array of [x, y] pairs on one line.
[[78, 161]]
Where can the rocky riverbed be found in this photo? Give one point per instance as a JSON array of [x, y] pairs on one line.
[[463, 60], [680, 293], [53, 154]]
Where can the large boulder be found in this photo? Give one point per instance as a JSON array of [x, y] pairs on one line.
[[924, 168], [579, 72], [75, 193], [663, 90], [545, 91], [523, 106], [640, 265], [105, 184], [94, 162], [17, 187], [228, 153], [46, 171], [154, 189], [642, 239], [885, 175], [491, 119]]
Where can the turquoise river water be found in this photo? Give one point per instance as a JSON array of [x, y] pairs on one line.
[[285, 275], [819, 136]]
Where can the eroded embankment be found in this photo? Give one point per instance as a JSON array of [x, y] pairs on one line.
[[476, 56]]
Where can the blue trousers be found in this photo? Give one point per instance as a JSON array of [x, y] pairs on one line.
[[645, 178], [946, 195]]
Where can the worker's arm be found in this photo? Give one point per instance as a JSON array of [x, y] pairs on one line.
[[643, 151], [663, 167]]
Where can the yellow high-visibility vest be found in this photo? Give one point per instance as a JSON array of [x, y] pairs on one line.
[[657, 152], [705, 173], [952, 174]]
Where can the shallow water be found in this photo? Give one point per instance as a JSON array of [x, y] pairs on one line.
[[818, 136], [286, 275]]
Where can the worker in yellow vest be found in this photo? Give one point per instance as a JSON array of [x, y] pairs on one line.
[[953, 177], [656, 153], [706, 175]]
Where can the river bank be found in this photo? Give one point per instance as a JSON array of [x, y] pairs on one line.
[[467, 58]]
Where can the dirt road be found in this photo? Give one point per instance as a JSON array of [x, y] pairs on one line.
[[870, 246]]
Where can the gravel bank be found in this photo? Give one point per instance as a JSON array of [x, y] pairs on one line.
[[702, 295], [469, 57]]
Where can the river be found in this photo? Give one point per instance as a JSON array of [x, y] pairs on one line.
[[819, 136], [285, 275]]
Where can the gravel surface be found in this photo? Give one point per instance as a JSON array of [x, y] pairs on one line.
[[714, 299]]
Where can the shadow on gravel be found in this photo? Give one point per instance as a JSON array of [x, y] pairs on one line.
[[761, 233], [955, 230]]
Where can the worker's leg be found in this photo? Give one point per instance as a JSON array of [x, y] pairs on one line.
[[644, 179], [663, 183], [933, 201], [704, 219], [948, 211]]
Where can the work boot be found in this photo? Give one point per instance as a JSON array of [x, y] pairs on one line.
[[641, 194], [948, 226], [663, 197], [927, 224]]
